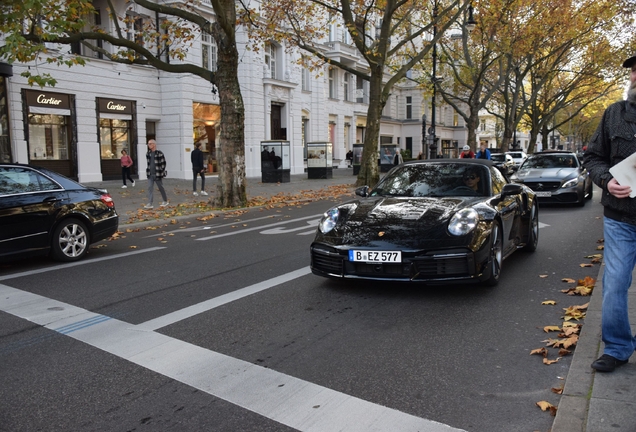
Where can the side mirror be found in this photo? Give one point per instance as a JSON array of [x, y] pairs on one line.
[[511, 189], [362, 191]]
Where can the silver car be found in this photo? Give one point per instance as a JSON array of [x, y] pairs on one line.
[[555, 177]]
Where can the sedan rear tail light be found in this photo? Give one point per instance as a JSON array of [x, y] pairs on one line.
[[108, 200]]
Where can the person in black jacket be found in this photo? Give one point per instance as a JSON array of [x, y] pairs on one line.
[[198, 169], [613, 141], [156, 172]]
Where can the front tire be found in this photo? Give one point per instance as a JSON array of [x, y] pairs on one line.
[[70, 241], [495, 257], [533, 230]]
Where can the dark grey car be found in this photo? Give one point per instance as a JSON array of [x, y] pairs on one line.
[[555, 177]]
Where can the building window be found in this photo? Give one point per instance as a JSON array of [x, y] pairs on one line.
[[92, 20], [208, 51], [306, 79], [455, 119], [332, 83], [135, 32], [270, 59], [409, 107], [332, 28], [483, 126], [346, 87]]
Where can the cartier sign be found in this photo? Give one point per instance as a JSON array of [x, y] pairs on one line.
[[115, 106], [45, 99]]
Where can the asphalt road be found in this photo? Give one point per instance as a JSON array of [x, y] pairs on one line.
[[218, 325]]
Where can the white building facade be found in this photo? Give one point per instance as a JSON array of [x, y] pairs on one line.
[[80, 126]]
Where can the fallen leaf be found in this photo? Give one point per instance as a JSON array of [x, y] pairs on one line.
[[160, 238], [548, 302], [543, 276], [557, 390], [564, 352], [549, 362], [586, 265], [594, 256], [548, 329], [381, 233], [539, 351], [544, 405], [133, 247], [568, 280], [601, 247], [588, 282]]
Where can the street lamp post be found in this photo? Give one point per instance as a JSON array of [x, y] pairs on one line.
[[469, 25], [431, 130]]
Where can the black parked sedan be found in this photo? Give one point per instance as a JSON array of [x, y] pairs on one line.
[[428, 221], [556, 177], [43, 212]]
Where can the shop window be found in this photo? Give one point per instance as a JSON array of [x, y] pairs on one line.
[[114, 137], [48, 137], [208, 51]]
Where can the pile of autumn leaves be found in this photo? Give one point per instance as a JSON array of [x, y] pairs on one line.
[[568, 332], [205, 206]]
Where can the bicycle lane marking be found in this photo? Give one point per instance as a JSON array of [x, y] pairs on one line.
[[282, 398]]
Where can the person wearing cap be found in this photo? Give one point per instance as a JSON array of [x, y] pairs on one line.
[[613, 141], [467, 153]]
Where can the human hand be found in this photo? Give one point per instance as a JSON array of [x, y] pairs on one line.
[[618, 190]]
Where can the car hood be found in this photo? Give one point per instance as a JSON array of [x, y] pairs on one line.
[[405, 223], [544, 173]]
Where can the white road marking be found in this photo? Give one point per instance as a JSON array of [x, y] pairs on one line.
[[282, 398], [198, 308], [244, 230], [543, 225], [283, 230], [77, 263], [207, 227]]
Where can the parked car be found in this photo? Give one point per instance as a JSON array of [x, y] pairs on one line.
[[556, 177], [518, 157], [504, 162], [43, 212], [433, 221]]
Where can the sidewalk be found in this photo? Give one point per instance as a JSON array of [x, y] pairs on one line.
[[129, 202], [591, 402], [594, 401]]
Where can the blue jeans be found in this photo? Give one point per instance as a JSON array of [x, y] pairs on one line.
[[151, 181], [620, 259]]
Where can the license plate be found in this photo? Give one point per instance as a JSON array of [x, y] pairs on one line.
[[543, 194], [375, 256]]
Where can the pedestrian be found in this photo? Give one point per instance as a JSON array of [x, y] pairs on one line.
[[198, 169], [612, 142], [483, 152], [156, 172], [126, 163], [349, 158], [397, 158], [467, 153]]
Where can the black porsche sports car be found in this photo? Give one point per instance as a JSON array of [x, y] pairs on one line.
[[435, 221]]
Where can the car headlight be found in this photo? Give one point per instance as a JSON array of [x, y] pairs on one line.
[[329, 220], [463, 222], [571, 182]]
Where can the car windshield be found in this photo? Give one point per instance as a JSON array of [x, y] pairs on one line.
[[516, 155], [435, 180], [550, 161], [498, 157]]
